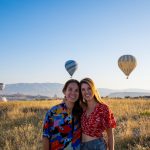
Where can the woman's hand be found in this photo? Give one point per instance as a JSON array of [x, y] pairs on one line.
[[45, 143]]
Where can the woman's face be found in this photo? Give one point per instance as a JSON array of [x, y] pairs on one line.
[[87, 92], [72, 92]]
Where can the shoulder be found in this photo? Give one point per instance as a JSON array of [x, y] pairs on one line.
[[55, 109], [58, 106], [103, 107]]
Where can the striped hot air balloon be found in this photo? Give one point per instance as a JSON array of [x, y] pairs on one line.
[[71, 66], [127, 63]]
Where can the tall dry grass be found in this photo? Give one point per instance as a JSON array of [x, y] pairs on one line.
[[21, 124]]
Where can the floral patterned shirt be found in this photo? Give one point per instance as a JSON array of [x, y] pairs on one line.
[[99, 120], [63, 131]]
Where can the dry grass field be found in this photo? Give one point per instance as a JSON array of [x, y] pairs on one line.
[[21, 124]]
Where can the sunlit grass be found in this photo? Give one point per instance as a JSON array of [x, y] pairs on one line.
[[21, 124]]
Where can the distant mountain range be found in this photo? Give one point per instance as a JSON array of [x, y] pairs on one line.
[[124, 93], [44, 89], [55, 90]]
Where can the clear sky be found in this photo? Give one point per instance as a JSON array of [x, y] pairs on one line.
[[37, 37]]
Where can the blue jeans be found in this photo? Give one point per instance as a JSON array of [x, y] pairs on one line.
[[97, 144]]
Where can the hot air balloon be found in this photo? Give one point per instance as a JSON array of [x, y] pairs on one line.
[[127, 63], [71, 66], [2, 86]]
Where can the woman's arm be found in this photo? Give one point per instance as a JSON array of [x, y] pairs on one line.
[[46, 145], [110, 135]]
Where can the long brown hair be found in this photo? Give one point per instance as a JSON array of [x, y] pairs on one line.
[[77, 110], [90, 82]]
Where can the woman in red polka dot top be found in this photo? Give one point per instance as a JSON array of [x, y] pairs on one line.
[[96, 118]]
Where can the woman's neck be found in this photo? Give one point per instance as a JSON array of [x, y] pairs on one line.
[[69, 105], [91, 105]]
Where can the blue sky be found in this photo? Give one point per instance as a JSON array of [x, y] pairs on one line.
[[37, 37]]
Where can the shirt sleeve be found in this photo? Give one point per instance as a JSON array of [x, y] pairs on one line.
[[48, 125], [110, 121]]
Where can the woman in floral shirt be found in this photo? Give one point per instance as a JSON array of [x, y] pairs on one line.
[[61, 128], [96, 118]]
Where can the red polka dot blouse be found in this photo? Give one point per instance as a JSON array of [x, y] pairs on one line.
[[99, 120]]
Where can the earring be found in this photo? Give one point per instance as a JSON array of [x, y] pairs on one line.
[[84, 100]]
